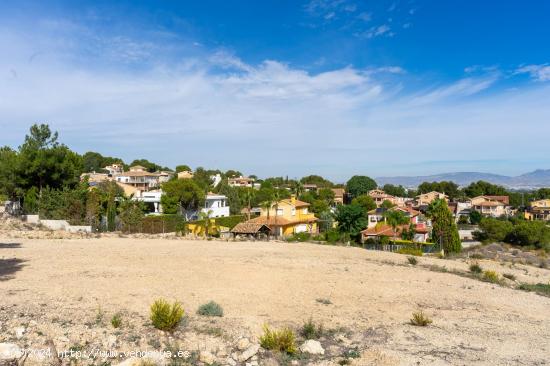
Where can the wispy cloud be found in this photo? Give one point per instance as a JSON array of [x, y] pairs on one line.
[[210, 107], [537, 72]]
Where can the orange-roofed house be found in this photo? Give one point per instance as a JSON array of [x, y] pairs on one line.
[[288, 217]]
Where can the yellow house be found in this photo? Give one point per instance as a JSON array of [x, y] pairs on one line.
[[287, 217], [427, 198], [538, 210]]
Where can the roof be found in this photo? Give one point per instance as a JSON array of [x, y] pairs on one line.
[[138, 173], [432, 193], [137, 167], [279, 221], [381, 230], [249, 228], [296, 203], [503, 199], [339, 191], [412, 212], [491, 204]]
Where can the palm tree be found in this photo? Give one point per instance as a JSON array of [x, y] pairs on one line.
[[248, 196], [394, 218], [205, 218], [298, 188]]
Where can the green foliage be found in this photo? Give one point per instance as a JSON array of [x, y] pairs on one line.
[[359, 184], [397, 191], [475, 217], [420, 319], [182, 168], [149, 166], [411, 251], [518, 232], [395, 218], [282, 340], [351, 219], [444, 229], [412, 260], [131, 214], [116, 320], [491, 276], [165, 316], [210, 309], [482, 188], [365, 201], [299, 237], [475, 268], [326, 220], [318, 180], [181, 195], [95, 162], [10, 180], [539, 288], [31, 202], [493, 229], [311, 330], [387, 204], [449, 188]]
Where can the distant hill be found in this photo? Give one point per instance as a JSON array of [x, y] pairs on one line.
[[536, 179]]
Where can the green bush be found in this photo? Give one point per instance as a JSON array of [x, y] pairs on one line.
[[299, 237], [165, 316], [539, 288], [310, 330], [411, 251], [420, 319], [210, 309], [412, 260], [282, 340], [475, 268], [116, 320], [491, 276]]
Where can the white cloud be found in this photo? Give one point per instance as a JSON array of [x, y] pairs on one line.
[[217, 110], [537, 72]]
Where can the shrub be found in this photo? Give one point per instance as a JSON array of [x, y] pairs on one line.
[[412, 260], [491, 276], [116, 320], [324, 301], [282, 340], [420, 320], [539, 288], [475, 268], [410, 251], [165, 316], [310, 330], [509, 276], [300, 237], [210, 309]]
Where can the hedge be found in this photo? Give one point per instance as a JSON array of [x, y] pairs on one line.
[[162, 224]]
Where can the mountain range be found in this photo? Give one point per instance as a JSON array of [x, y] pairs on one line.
[[535, 179]]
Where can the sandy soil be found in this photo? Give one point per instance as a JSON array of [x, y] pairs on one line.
[[371, 293]]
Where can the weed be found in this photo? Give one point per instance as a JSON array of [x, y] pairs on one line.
[[436, 268], [310, 330], [412, 260], [491, 276], [539, 288], [477, 256], [475, 268], [210, 309], [411, 251], [324, 301], [282, 340], [165, 316], [116, 320], [419, 319], [99, 316]]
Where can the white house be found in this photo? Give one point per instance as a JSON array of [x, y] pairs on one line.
[[216, 205], [152, 198]]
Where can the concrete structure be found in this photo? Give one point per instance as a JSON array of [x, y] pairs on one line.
[[241, 181], [216, 205], [139, 178], [151, 198], [427, 198], [494, 206], [538, 210]]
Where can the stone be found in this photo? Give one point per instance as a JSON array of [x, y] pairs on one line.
[[270, 362], [312, 347], [231, 361], [250, 351], [243, 344], [207, 357], [10, 352], [19, 331]]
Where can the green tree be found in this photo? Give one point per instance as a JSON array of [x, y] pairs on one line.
[[365, 201], [326, 194], [351, 219], [475, 217], [444, 229], [482, 188], [9, 178], [181, 196], [396, 218], [360, 184], [387, 204], [183, 168], [397, 191], [449, 188], [318, 180], [149, 166], [131, 214]]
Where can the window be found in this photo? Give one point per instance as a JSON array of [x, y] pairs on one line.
[[279, 212], [293, 211], [304, 211]]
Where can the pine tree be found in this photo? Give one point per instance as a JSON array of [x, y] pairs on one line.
[[445, 231]]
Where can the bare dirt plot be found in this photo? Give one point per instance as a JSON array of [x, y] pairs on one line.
[[278, 283]]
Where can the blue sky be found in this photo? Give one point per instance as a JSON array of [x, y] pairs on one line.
[[330, 87]]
